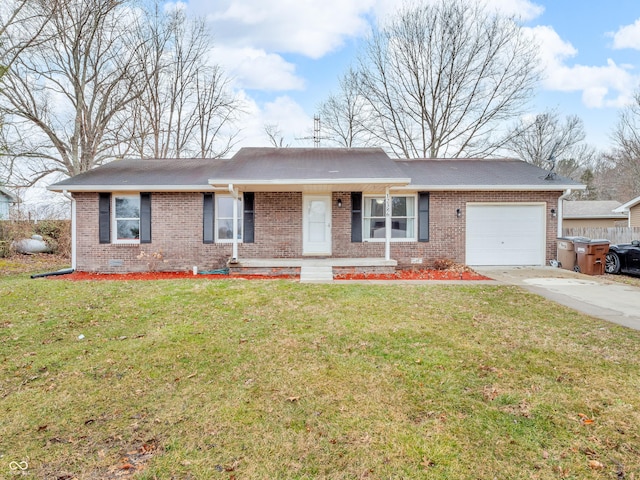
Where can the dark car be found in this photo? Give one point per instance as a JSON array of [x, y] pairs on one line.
[[624, 258]]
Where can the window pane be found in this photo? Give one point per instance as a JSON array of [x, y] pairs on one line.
[[411, 206], [375, 227], [225, 207], [399, 207], [225, 229], [374, 207], [128, 229], [127, 207], [398, 228]]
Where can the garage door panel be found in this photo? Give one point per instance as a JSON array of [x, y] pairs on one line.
[[505, 234]]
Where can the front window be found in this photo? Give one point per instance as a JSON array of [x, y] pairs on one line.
[[403, 218], [126, 209], [224, 218]]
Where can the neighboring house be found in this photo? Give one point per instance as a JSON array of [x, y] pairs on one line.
[[6, 198], [592, 214], [273, 207], [632, 210]]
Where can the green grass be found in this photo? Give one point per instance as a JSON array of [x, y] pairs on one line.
[[273, 379]]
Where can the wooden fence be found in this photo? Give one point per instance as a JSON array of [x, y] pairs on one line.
[[613, 234]]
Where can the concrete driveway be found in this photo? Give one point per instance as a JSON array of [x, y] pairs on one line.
[[593, 295]]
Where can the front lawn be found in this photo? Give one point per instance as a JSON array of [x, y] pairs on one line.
[[244, 379]]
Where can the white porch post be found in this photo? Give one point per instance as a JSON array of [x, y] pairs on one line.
[[387, 225], [234, 193]]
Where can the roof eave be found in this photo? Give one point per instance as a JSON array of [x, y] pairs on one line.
[[494, 188], [626, 206], [311, 181], [595, 217], [130, 188]]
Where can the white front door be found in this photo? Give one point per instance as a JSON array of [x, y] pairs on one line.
[[316, 224]]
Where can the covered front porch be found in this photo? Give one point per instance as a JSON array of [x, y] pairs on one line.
[[310, 269]]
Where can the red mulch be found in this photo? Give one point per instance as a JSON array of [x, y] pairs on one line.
[[76, 276], [415, 275], [399, 275]]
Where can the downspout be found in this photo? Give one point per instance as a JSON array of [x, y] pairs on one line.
[[234, 194], [387, 224], [566, 193], [73, 228]]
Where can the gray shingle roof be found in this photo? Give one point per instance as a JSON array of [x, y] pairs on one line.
[[309, 164], [133, 173], [591, 209], [322, 167], [481, 173]]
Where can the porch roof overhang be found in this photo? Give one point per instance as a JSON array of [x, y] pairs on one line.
[[319, 185]]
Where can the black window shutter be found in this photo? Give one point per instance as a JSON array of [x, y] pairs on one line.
[[423, 216], [356, 216], [248, 218], [208, 212], [145, 218], [104, 218]]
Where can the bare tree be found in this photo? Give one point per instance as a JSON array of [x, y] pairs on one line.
[[547, 142], [186, 105], [345, 115], [61, 97], [274, 134], [625, 157], [19, 29], [439, 79]]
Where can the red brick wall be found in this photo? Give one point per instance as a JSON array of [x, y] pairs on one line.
[[446, 231], [177, 231]]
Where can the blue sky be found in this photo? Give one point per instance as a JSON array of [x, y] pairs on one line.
[[285, 56]]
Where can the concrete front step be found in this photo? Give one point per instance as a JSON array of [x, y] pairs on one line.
[[316, 274], [293, 266]]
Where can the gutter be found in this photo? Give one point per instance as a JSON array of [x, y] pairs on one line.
[[561, 198], [73, 228]]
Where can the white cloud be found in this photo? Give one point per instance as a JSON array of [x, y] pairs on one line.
[[283, 112], [252, 68], [308, 27], [609, 85], [627, 36], [524, 9]]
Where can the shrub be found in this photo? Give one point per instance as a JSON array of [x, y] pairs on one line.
[[443, 264]]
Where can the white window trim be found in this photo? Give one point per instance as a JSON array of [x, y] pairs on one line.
[[217, 197], [365, 231], [114, 220]]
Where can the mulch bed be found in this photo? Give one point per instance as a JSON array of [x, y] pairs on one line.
[[415, 275], [78, 276], [399, 275]]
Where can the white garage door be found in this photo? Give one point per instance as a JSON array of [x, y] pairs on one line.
[[502, 234]]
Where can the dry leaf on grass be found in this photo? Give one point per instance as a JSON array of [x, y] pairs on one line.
[[585, 420], [596, 465]]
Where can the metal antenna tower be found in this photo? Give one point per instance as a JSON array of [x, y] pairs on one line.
[[316, 132]]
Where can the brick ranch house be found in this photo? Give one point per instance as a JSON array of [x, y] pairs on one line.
[[269, 209]]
